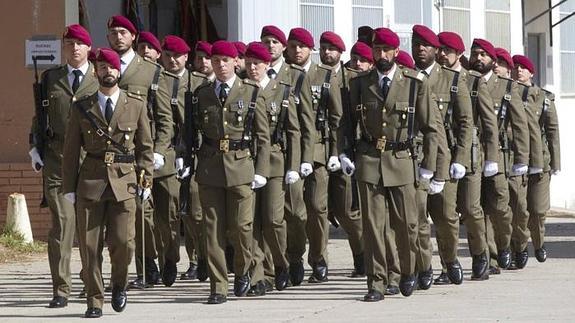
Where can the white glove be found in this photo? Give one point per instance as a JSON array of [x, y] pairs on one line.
[[35, 159], [181, 171], [425, 173], [70, 197], [259, 181], [292, 177], [435, 187], [158, 161], [535, 170], [457, 171], [347, 166], [146, 194], [305, 169], [490, 168], [519, 169], [333, 164], [555, 172]]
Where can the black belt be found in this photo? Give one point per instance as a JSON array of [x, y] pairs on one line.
[[383, 144], [110, 157], [226, 145]]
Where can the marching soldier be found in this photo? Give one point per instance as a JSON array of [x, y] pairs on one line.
[[112, 127], [392, 105], [361, 59], [231, 117], [140, 77], [510, 113], [61, 87], [241, 67], [342, 188], [202, 62], [484, 147], [149, 46], [320, 149]]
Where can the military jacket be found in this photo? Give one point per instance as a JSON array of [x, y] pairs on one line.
[[545, 113], [529, 95]]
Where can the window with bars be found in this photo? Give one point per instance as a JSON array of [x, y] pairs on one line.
[[317, 16], [457, 18], [408, 13], [498, 23], [567, 48], [367, 13]]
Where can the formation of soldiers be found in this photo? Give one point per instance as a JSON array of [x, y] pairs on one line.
[[256, 150]]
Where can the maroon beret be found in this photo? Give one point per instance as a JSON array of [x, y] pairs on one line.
[[486, 46], [362, 50], [92, 55], [109, 56], [403, 58], [503, 54], [301, 35], [451, 40], [332, 38], [148, 37], [275, 32], [385, 36], [121, 21], [224, 48], [175, 44], [240, 47], [78, 32], [204, 46], [525, 62], [259, 51], [426, 34]]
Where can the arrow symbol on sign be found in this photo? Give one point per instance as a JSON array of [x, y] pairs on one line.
[[44, 58]]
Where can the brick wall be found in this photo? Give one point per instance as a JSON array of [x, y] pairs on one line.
[[20, 178]]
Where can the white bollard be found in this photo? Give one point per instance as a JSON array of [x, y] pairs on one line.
[[17, 216]]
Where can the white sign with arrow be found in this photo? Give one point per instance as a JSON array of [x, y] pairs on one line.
[[46, 52]]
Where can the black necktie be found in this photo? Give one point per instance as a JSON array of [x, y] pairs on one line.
[[109, 110], [385, 87], [76, 82], [272, 73], [223, 93]]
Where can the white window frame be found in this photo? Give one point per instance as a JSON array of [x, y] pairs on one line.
[[563, 51], [506, 46], [467, 42]]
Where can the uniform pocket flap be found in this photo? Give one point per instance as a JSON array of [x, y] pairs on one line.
[[127, 126], [125, 169], [241, 154]]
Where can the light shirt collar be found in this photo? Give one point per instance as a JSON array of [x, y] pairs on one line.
[[182, 72], [278, 66], [264, 82], [102, 98], [488, 76], [336, 68], [389, 74], [229, 82], [83, 69], [430, 69], [307, 65], [126, 59]]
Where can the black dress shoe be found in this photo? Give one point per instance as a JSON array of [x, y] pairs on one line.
[[191, 273], [119, 299], [358, 267], [202, 270], [259, 289], [407, 284], [442, 279], [241, 285], [217, 299], [169, 273], [58, 302], [425, 279], [541, 254], [319, 273], [296, 273], [479, 267], [152, 272], [391, 290], [455, 272], [373, 296], [282, 278], [93, 313], [504, 258], [137, 283], [494, 270], [521, 259]]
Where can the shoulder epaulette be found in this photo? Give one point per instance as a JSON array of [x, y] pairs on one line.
[[352, 70], [549, 94], [450, 69], [297, 67], [250, 82], [325, 67], [151, 61], [506, 78], [166, 72], [284, 83], [198, 74], [407, 72], [474, 73], [134, 96]]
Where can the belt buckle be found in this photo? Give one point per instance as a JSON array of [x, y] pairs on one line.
[[381, 144], [225, 145], [109, 157]]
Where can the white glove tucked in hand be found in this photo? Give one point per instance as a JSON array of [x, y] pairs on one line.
[[291, 177], [490, 168], [347, 166], [435, 187], [555, 172], [519, 169], [333, 164], [145, 194], [425, 173], [70, 197], [158, 161], [36, 159], [535, 170], [305, 169], [181, 172], [259, 181], [456, 171]]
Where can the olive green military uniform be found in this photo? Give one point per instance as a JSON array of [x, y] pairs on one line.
[[385, 170], [106, 183], [60, 98], [495, 189], [137, 79], [538, 188], [225, 171]]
